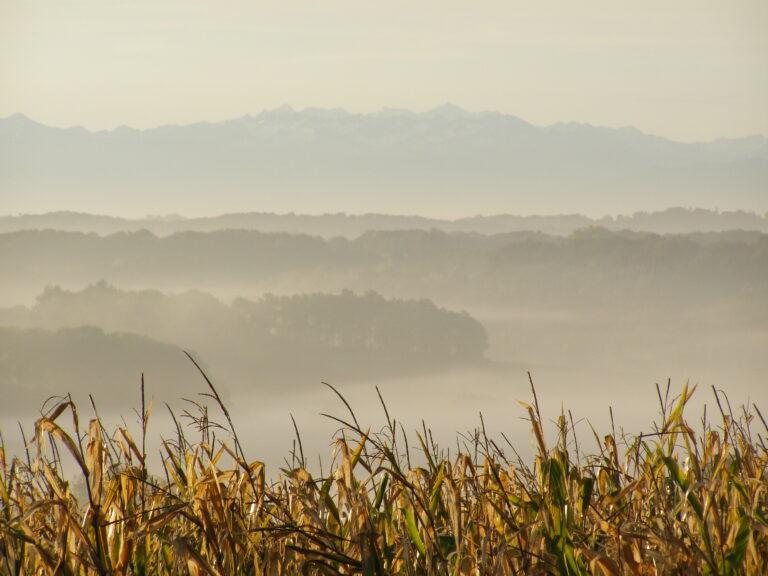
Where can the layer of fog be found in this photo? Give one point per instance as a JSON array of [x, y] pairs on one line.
[[582, 364], [453, 407], [598, 319]]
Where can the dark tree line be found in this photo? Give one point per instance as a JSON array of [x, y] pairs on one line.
[[592, 265]]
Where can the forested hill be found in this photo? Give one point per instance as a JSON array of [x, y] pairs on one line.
[[670, 221], [271, 329], [37, 364], [590, 266], [101, 338]]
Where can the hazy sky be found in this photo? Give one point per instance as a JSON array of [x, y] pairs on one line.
[[690, 70]]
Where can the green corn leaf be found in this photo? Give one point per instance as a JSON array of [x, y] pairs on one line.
[[380, 493], [414, 531], [735, 558]]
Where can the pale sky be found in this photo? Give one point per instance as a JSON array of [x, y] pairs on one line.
[[688, 70]]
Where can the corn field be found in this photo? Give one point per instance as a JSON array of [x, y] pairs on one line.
[[675, 501]]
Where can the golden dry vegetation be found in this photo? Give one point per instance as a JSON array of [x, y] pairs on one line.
[[676, 501]]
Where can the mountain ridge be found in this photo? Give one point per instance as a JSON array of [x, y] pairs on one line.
[[447, 110], [446, 162]]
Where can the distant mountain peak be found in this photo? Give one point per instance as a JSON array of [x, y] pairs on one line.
[[449, 110], [284, 110], [446, 159], [19, 119], [756, 145]]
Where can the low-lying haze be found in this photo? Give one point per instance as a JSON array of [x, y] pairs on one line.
[[592, 207], [446, 323]]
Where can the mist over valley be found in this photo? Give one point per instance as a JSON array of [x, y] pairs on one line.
[[439, 255], [397, 288], [454, 319]]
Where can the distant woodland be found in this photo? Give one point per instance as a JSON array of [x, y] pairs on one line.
[[591, 267], [672, 220], [104, 333], [37, 364], [276, 312]]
